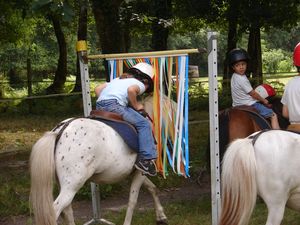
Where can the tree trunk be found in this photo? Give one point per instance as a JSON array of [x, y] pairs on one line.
[[232, 39], [81, 35], [160, 31], [254, 51], [29, 83], [29, 76], [61, 71], [108, 26]]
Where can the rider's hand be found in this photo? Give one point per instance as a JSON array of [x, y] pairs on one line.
[[269, 105], [266, 102], [139, 106], [143, 112]]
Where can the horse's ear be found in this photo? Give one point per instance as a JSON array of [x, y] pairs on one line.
[[147, 97]]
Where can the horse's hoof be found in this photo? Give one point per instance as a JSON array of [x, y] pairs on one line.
[[162, 222]]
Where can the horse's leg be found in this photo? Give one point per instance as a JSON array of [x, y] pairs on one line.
[[68, 215], [276, 205], [161, 218], [137, 181], [63, 201], [275, 213], [272, 191], [68, 189]]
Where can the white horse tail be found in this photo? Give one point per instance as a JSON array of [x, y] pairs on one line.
[[239, 188], [42, 172]]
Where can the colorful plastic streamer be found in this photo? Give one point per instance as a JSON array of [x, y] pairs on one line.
[[170, 108]]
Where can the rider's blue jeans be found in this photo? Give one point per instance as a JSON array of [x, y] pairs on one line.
[[147, 148], [263, 110]]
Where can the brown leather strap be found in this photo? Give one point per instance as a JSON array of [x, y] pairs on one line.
[[63, 126], [105, 114], [294, 127]]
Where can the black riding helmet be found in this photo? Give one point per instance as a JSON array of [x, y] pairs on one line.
[[236, 55]]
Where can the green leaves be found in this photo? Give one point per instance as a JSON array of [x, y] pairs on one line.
[[60, 9]]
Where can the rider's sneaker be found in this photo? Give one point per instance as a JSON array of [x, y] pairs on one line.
[[147, 167]]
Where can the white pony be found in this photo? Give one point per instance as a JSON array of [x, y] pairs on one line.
[[86, 150], [270, 168]]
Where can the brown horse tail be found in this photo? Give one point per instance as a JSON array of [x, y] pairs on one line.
[[239, 188], [42, 172]]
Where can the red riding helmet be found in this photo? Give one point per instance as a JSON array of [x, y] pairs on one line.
[[296, 56], [265, 90]]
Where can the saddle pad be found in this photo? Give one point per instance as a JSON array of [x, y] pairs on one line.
[[124, 129]]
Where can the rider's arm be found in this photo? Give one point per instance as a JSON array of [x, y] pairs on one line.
[[256, 96], [133, 92], [285, 111], [99, 88]]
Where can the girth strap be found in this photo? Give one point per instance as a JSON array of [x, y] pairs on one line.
[[64, 126], [256, 136]]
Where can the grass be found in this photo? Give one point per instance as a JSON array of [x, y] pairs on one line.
[[19, 132], [14, 189], [194, 212]]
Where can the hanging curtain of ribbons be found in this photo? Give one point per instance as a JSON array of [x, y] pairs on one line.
[[170, 108]]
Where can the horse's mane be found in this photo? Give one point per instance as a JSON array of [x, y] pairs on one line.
[[148, 103], [223, 131]]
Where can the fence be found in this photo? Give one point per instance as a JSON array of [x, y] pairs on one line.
[[278, 81]]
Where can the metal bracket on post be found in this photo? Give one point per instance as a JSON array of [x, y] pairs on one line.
[[84, 74], [87, 107], [214, 126]]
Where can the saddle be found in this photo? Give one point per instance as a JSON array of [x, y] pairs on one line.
[[124, 129], [294, 127], [261, 121]]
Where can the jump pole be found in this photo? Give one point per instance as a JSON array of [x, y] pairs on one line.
[[153, 54], [214, 126]]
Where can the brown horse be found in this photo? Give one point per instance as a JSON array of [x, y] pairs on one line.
[[240, 122]]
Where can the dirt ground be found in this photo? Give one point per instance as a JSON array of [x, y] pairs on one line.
[[190, 189]]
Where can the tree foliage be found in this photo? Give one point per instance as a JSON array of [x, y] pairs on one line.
[[251, 17], [14, 25], [45, 31], [58, 12]]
